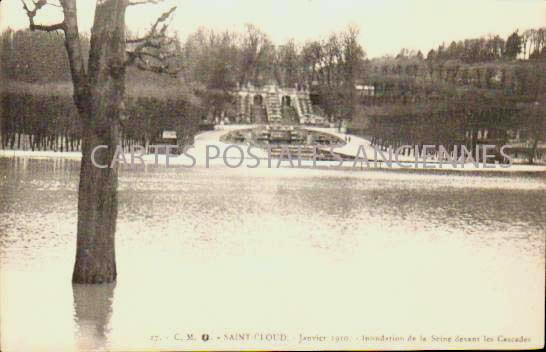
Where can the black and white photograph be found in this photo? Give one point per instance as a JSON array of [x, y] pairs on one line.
[[272, 175]]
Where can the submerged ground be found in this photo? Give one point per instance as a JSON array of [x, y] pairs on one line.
[[223, 250]]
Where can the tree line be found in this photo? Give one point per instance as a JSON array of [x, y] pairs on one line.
[[215, 63], [453, 96], [531, 44], [37, 111], [36, 56], [49, 122]]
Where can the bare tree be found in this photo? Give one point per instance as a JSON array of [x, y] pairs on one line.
[[527, 39], [99, 89], [287, 65], [536, 124], [257, 56]]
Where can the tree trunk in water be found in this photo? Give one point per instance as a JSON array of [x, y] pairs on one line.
[[97, 213], [100, 107]]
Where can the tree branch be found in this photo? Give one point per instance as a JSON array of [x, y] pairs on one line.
[[145, 65], [153, 51], [32, 13], [153, 34], [142, 2], [137, 40], [45, 28], [75, 55], [160, 56]]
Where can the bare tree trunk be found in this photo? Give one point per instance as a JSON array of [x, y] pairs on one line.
[[97, 213], [98, 96], [97, 197]]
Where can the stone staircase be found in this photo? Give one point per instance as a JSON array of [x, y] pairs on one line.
[[246, 107], [273, 107], [290, 115], [272, 103], [258, 114], [296, 104], [305, 105]]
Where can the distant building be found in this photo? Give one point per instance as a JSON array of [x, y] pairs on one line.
[[365, 90]]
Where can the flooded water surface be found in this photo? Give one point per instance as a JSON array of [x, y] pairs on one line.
[[264, 251]]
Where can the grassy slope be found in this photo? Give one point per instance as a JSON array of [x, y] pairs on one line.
[[138, 84]]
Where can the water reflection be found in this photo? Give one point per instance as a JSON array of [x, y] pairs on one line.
[[92, 312]]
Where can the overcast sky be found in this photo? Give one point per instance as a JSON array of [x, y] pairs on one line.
[[386, 25]]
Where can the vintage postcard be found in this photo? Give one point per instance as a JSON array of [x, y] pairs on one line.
[[272, 175]]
